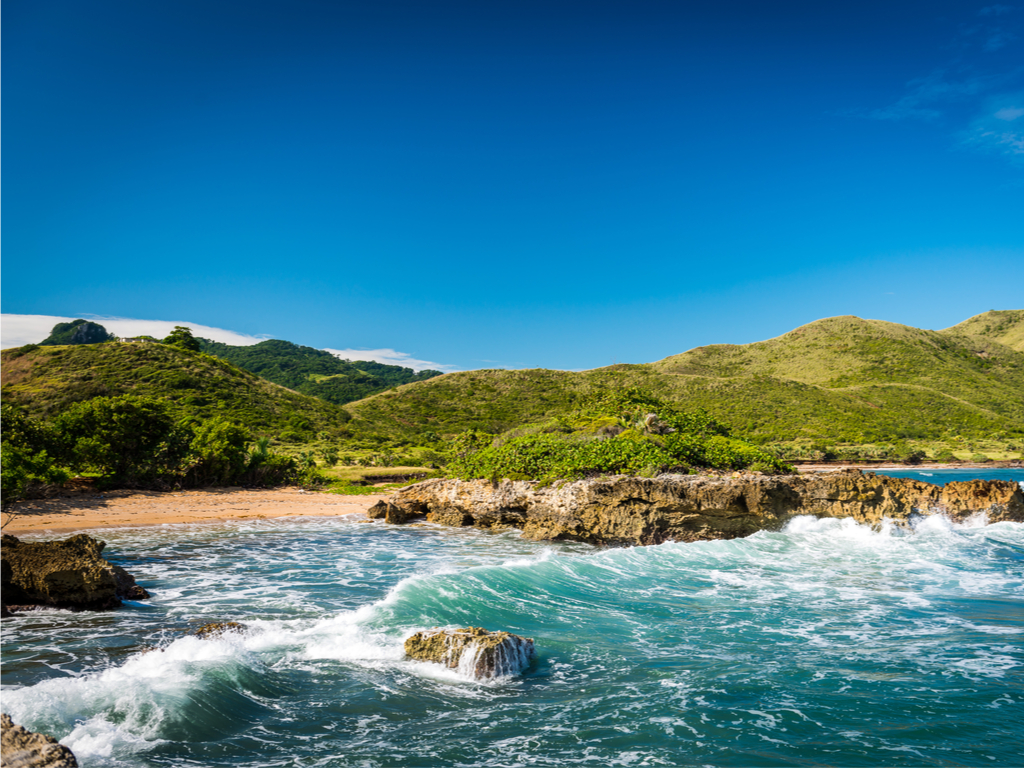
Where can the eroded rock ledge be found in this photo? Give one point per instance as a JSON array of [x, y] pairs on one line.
[[637, 510], [64, 574]]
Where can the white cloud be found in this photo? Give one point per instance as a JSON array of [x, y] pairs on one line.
[[1009, 114], [16, 330], [390, 357], [992, 130]]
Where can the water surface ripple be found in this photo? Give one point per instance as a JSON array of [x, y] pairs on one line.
[[827, 643]]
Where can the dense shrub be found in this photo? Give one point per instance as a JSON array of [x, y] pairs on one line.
[[29, 455], [549, 457], [134, 441]]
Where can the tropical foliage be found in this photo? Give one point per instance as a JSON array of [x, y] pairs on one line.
[[131, 441], [623, 432]]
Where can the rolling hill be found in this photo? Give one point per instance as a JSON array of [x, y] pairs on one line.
[[840, 379], [837, 380], [45, 380]]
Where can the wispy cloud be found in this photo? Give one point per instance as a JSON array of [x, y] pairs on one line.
[[977, 93], [391, 357], [999, 127], [927, 96], [996, 10]]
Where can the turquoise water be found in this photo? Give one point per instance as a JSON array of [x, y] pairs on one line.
[[824, 644], [943, 476]]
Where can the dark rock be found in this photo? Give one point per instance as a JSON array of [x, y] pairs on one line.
[[637, 510], [473, 651], [64, 574], [23, 749], [391, 513]]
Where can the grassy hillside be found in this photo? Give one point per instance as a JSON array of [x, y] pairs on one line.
[[839, 380], [315, 372], [1004, 326], [45, 380]]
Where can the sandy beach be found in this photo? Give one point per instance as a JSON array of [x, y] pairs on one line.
[[131, 508]]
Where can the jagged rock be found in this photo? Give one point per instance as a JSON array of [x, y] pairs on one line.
[[20, 748], [392, 513], [64, 574], [473, 651], [217, 628], [637, 510]]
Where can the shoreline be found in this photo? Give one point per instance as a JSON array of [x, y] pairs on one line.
[[131, 508]]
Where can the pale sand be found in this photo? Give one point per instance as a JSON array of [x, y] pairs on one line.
[[131, 508]]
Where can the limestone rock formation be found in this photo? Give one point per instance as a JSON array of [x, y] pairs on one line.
[[473, 651], [637, 510], [20, 748], [64, 574]]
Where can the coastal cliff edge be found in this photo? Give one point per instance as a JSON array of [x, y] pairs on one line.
[[637, 510]]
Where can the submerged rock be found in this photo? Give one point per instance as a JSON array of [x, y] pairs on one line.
[[472, 651], [64, 574], [638, 510], [24, 749]]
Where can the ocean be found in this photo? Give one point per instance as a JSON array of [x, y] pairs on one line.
[[827, 643]]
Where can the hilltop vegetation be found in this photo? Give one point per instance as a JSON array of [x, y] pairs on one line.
[[315, 372]]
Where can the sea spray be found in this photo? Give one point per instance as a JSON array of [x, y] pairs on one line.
[[825, 643]]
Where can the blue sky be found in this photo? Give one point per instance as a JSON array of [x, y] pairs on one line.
[[560, 185]]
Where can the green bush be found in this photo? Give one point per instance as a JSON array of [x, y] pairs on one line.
[[551, 457], [218, 453]]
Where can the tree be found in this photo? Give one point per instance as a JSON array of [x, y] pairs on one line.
[[182, 338], [218, 453], [30, 455], [126, 438]]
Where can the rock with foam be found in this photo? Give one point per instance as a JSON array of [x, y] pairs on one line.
[[473, 651]]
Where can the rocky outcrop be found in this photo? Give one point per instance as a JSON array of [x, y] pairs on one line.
[[23, 749], [64, 574], [472, 651], [637, 510]]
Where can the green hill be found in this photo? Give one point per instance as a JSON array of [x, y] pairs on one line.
[[45, 380], [839, 380], [315, 372]]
